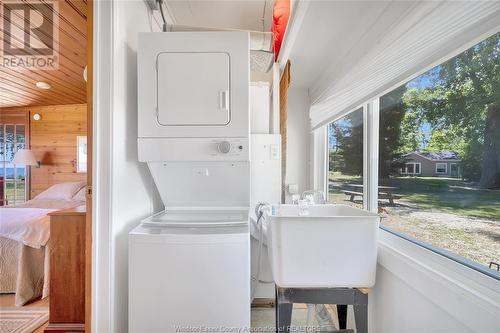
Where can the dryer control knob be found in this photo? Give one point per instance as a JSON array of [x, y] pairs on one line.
[[224, 147]]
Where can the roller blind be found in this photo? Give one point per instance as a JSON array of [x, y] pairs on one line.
[[429, 34]]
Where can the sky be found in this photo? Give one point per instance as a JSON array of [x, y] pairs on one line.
[[423, 81]]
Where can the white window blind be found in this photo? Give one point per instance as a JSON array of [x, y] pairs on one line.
[[425, 36]]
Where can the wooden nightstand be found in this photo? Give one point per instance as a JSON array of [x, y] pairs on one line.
[[67, 271]]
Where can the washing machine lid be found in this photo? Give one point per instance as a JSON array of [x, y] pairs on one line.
[[197, 218]]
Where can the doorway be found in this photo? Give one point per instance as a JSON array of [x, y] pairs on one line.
[[45, 128]]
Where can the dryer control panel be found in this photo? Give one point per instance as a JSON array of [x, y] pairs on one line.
[[193, 149], [230, 147]]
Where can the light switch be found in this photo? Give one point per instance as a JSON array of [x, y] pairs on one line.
[[275, 152]]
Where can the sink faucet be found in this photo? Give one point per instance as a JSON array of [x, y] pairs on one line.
[[310, 195]]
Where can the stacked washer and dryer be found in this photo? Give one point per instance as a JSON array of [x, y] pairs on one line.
[[189, 265]]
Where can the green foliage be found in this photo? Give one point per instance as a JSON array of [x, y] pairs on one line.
[[453, 107], [392, 112], [465, 91], [346, 153], [447, 139]]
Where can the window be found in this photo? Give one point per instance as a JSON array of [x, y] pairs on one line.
[[441, 168], [12, 178], [412, 168], [448, 115], [345, 147]]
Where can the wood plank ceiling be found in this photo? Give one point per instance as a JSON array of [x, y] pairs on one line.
[[18, 85]]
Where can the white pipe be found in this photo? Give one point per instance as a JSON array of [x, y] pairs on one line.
[[259, 41]]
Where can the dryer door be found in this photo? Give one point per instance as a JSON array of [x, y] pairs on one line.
[[193, 89]]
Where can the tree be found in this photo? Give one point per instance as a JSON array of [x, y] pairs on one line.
[[465, 95], [346, 144], [392, 112]]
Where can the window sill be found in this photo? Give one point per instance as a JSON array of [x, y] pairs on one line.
[[446, 254], [467, 295]]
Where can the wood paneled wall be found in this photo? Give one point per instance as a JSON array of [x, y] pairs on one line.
[[53, 140]]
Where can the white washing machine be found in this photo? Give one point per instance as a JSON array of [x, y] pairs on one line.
[[189, 266], [191, 269]]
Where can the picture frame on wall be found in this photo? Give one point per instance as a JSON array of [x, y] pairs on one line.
[[81, 153]]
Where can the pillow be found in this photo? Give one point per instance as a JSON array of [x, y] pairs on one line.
[[80, 195], [63, 191]]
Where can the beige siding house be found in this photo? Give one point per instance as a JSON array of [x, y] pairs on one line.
[[439, 164]]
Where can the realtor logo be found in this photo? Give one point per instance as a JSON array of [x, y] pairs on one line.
[[29, 35]]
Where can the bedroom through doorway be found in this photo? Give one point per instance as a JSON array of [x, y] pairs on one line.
[[45, 164]]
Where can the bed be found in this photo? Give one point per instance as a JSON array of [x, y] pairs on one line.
[[25, 240]]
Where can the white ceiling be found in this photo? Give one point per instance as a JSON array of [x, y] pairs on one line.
[[224, 14], [335, 33]]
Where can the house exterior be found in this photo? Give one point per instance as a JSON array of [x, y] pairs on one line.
[[439, 164]]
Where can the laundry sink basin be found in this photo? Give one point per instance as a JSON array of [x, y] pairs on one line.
[[322, 246]]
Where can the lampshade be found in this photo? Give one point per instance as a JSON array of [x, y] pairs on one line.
[[24, 156]]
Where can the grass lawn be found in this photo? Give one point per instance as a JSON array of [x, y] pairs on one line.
[[445, 194], [9, 193], [448, 194]]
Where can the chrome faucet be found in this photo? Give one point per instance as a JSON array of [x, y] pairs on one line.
[[310, 195]]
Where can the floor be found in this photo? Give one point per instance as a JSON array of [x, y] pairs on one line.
[[263, 318], [7, 300]]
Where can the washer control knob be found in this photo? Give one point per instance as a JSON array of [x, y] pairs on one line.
[[224, 147]]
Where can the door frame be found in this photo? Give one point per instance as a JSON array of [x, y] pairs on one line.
[[101, 316], [89, 216]]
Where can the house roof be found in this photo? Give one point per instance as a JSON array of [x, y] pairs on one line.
[[438, 156]]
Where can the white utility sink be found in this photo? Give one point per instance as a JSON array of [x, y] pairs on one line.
[[332, 246]]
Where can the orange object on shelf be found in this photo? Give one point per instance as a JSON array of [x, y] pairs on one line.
[[281, 13]]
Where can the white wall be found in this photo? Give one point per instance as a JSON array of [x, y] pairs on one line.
[[419, 291], [297, 155], [125, 192]]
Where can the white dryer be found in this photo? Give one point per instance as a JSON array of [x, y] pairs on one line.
[[189, 266]]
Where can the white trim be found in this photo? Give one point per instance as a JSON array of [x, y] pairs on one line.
[[372, 154], [102, 258], [320, 159], [441, 280], [366, 157], [297, 14], [275, 117], [445, 168]]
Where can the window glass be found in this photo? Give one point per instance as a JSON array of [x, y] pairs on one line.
[[12, 178], [20, 136], [345, 143], [439, 165]]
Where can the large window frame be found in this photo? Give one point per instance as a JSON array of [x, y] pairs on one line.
[[15, 181], [371, 114]]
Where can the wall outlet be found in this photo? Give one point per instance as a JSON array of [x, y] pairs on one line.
[[275, 152], [293, 188]]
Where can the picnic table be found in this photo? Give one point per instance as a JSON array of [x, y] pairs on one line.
[[384, 192]]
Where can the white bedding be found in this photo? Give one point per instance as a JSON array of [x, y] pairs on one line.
[[29, 223]]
